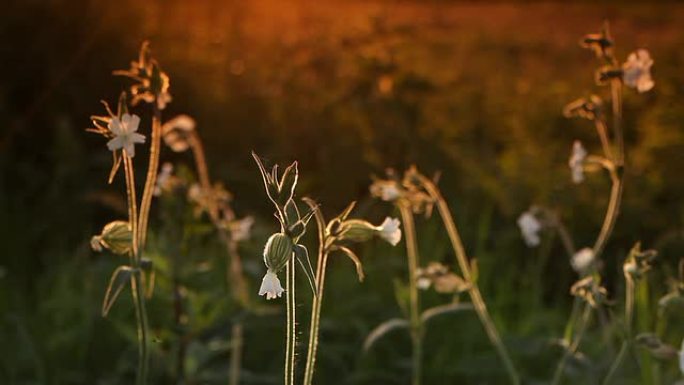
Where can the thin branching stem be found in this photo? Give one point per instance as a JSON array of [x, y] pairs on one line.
[[414, 299], [474, 291], [234, 275], [617, 185]]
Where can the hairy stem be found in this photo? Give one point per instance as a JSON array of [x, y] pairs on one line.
[[315, 321], [317, 301], [291, 326], [151, 180], [413, 263], [476, 297]]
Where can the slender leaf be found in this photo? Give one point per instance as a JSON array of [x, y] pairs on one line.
[[119, 278], [302, 255], [444, 309], [355, 259], [382, 329]]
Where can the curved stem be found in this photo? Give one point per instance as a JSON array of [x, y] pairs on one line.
[[616, 99], [476, 297], [291, 327], [611, 214], [572, 348], [603, 134], [414, 299], [151, 180]]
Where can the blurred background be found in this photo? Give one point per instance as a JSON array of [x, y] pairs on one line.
[[472, 90]]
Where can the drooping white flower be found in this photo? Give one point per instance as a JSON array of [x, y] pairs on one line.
[[125, 135], [270, 286], [177, 131], [582, 260], [576, 162], [530, 227], [387, 190], [389, 230], [636, 72]]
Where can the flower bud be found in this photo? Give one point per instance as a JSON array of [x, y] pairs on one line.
[[277, 251], [116, 236], [356, 230]]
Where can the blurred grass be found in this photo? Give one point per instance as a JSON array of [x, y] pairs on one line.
[[348, 88]]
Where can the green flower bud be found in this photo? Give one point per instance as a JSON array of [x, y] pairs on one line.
[[278, 251], [116, 236]]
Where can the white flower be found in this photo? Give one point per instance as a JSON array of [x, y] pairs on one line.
[[582, 260], [576, 162], [241, 229], [636, 72], [163, 178], [270, 286], [530, 227], [389, 230], [387, 190], [125, 135]]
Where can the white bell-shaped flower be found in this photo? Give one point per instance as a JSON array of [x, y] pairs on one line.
[[270, 286]]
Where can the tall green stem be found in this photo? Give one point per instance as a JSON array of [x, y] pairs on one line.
[[574, 342], [291, 326], [236, 342], [137, 288], [475, 296], [413, 263], [629, 316]]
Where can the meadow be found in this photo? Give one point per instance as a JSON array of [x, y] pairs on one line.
[[341, 193]]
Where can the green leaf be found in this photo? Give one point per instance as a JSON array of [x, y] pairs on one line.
[[302, 255], [120, 277], [382, 329]]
